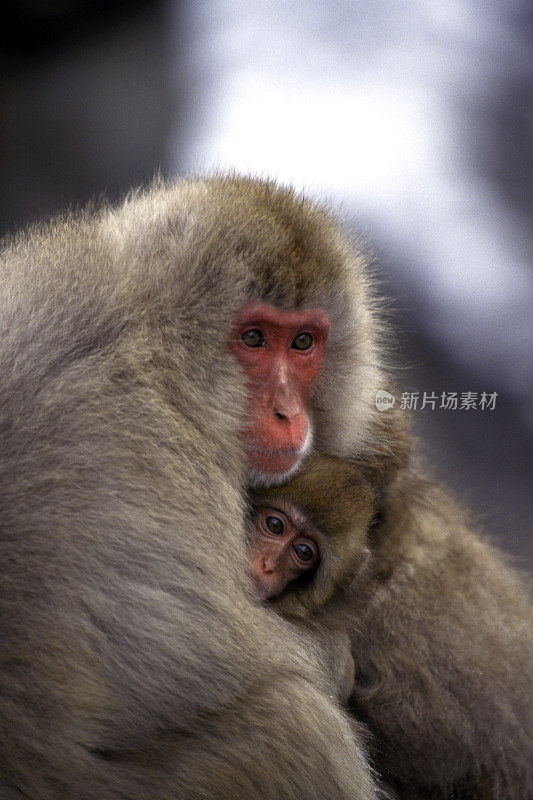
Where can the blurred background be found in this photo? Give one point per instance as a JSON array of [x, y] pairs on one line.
[[413, 119]]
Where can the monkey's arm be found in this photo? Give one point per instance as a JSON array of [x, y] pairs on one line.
[[443, 657], [328, 638]]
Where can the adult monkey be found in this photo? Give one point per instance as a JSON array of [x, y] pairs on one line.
[[134, 662], [441, 630]]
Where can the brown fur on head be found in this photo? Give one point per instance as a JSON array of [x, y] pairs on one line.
[[338, 501], [287, 251]]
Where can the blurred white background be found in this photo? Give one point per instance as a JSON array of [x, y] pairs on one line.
[[414, 119]]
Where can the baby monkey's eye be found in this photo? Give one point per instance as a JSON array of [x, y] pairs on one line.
[[304, 552], [274, 525], [253, 338]]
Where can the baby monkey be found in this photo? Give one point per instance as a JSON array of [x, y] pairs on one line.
[[307, 543], [308, 538]]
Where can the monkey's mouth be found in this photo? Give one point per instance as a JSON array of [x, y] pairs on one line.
[[260, 590], [274, 461], [263, 590]]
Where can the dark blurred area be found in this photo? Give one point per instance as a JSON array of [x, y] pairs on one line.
[[85, 104], [96, 98]]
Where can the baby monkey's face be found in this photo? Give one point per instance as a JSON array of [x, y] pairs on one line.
[[283, 546]]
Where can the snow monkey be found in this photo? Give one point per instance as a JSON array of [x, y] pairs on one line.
[[136, 396], [439, 628], [156, 356]]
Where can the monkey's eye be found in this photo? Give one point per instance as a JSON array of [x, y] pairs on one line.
[[253, 338], [274, 525], [302, 342], [303, 552]]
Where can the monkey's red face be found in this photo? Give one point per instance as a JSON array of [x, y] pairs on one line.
[[281, 353], [281, 550]]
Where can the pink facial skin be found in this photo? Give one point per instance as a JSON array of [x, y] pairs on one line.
[[279, 552], [281, 353]]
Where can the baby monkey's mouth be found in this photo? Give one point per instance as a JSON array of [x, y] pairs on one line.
[[259, 589]]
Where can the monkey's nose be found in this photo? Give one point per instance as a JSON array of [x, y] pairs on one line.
[[286, 400], [287, 409], [268, 566]]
